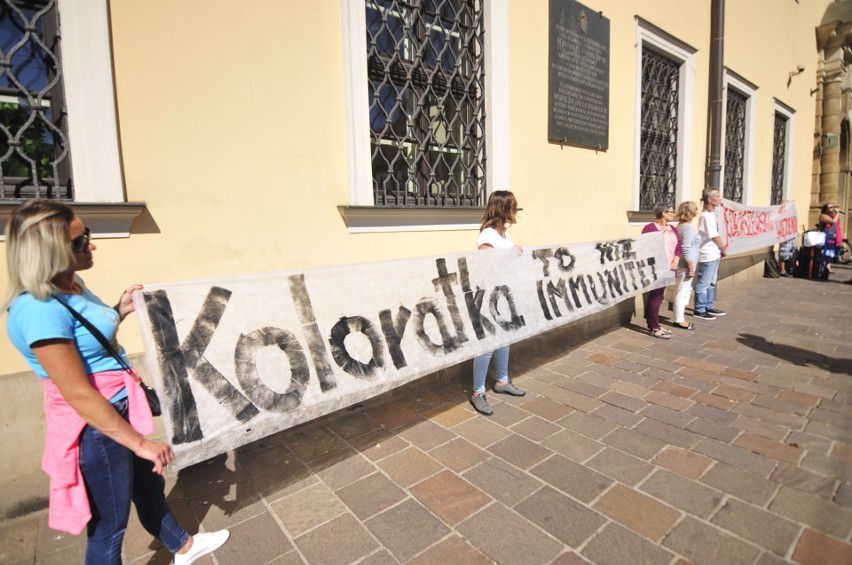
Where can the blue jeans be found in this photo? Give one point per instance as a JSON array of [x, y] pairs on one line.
[[480, 368], [705, 285], [114, 476]]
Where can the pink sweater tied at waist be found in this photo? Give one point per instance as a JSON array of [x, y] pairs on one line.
[[69, 505]]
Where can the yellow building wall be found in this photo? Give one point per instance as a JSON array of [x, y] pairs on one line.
[[767, 41], [578, 194], [232, 127]]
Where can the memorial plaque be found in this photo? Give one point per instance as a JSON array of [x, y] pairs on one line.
[[578, 111]]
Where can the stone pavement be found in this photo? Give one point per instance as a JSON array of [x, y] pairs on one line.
[[730, 444]]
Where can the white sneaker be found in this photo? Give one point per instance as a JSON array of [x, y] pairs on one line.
[[202, 544]]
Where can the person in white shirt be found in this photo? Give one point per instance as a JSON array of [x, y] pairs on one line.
[[710, 253], [500, 213]]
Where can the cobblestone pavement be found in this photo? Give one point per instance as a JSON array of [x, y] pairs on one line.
[[730, 444]]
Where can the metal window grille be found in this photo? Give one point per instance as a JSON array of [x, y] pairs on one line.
[[426, 70], [34, 152], [658, 150], [779, 153], [735, 124]]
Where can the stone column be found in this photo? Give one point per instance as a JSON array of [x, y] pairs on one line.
[[816, 168], [832, 116]]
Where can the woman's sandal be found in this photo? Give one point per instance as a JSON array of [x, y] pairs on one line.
[[660, 333], [688, 326]]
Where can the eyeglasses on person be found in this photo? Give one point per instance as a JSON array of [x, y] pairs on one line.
[[81, 242]]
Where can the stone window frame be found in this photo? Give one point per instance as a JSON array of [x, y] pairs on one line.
[[360, 214], [749, 91], [650, 36], [99, 196], [779, 107]]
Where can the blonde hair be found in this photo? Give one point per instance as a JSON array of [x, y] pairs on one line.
[[37, 248], [500, 209], [687, 211]]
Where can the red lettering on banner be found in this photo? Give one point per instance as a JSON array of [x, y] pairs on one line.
[[786, 228], [747, 223]]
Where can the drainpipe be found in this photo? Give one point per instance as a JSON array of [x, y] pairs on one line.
[[713, 168]]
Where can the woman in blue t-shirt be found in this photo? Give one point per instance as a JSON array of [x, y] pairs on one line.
[[96, 452], [500, 213]]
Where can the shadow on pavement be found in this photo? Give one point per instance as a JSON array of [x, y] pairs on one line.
[[796, 355]]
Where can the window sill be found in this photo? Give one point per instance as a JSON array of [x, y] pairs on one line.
[[370, 219], [105, 219], [640, 217]]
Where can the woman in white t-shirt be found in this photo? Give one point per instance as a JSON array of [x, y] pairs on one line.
[[500, 213]]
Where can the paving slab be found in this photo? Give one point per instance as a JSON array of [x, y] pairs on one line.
[[259, 540], [407, 529], [459, 455], [343, 540], [537, 429], [507, 537], [620, 466], [617, 545], [754, 524], [519, 451], [816, 549], [573, 445], [843, 496], [409, 466], [572, 478], [722, 432], [804, 480], [564, 518], [450, 497], [590, 425], [307, 509], [688, 495], [502, 481], [703, 544], [371, 495], [820, 515], [630, 441], [641, 513], [453, 550], [737, 457], [683, 462], [741, 483]]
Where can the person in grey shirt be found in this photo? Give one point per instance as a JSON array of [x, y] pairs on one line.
[[689, 241]]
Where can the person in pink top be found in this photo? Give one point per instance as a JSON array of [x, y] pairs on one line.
[[654, 298], [829, 223], [96, 453]]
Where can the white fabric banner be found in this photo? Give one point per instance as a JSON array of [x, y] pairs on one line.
[[745, 228], [237, 359]]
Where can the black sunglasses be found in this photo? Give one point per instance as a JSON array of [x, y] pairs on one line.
[[81, 242]]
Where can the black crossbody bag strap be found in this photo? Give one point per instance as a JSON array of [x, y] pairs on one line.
[[150, 394], [105, 343]]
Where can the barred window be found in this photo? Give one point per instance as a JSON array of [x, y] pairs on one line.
[[426, 73], [660, 105], [34, 150], [779, 158], [735, 132]]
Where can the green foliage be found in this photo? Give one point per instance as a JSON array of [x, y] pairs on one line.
[[35, 142]]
